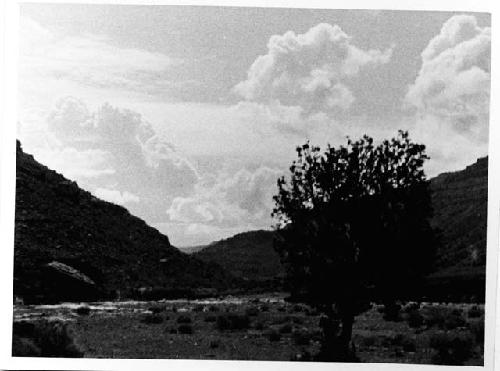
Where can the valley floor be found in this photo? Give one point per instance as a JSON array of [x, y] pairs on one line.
[[265, 328]]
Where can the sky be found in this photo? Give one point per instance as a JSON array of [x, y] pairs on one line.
[[187, 115]]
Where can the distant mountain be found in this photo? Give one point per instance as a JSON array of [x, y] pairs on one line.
[[66, 240], [249, 255], [460, 207], [192, 249]]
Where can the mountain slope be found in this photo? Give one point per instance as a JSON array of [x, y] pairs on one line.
[[460, 202], [58, 221], [249, 255]]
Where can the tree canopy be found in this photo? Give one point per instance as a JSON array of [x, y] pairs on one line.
[[353, 222]]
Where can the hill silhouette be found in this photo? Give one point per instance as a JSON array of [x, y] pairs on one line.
[[249, 255], [66, 239]]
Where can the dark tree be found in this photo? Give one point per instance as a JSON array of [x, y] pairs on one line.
[[353, 226]]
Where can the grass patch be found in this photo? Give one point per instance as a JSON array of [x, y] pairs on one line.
[[232, 321]]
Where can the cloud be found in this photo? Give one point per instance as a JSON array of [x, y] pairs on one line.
[[308, 70], [112, 145], [116, 196], [89, 59], [453, 83], [243, 198], [76, 164]]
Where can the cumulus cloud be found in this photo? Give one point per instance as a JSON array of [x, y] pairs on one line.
[[116, 196], [244, 198], [112, 145], [308, 70], [453, 83], [87, 59]]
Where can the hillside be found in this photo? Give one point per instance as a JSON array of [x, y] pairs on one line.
[[66, 239], [460, 201], [249, 255]]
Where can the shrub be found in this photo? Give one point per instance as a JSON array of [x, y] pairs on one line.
[[214, 344], [185, 329], [368, 341], [252, 311], [264, 308], [46, 339], [210, 318], [156, 309], [415, 319], [213, 308], [301, 338], [451, 348], [152, 319], [23, 328], [198, 308], [281, 309], [411, 307], [297, 308], [259, 326], [273, 335], [172, 331], [475, 312], [476, 327], [453, 321], [392, 312], [286, 329], [22, 347], [231, 321], [302, 357], [183, 319], [435, 316], [83, 310]]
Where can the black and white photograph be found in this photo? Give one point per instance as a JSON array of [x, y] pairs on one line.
[[246, 183]]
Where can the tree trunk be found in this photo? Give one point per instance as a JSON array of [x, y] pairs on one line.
[[336, 347]]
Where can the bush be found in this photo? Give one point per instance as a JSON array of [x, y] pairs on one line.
[[476, 327], [368, 341], [273, 335], [185, 329], [83, 310], [152, 319], [252, 311], [302, 357], [22, 347], [454, 321], [411, 307], [264, 308], [231, 321], [183, 319], [415, 319], [44, 339], [213, 308], [435, 316], [259, 326], [172, 331], [286, 329], [301, 338], [198, 308], [156, 309], [214, 344], [210, 318], [451, 348], [392, 312], [475, 312]]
